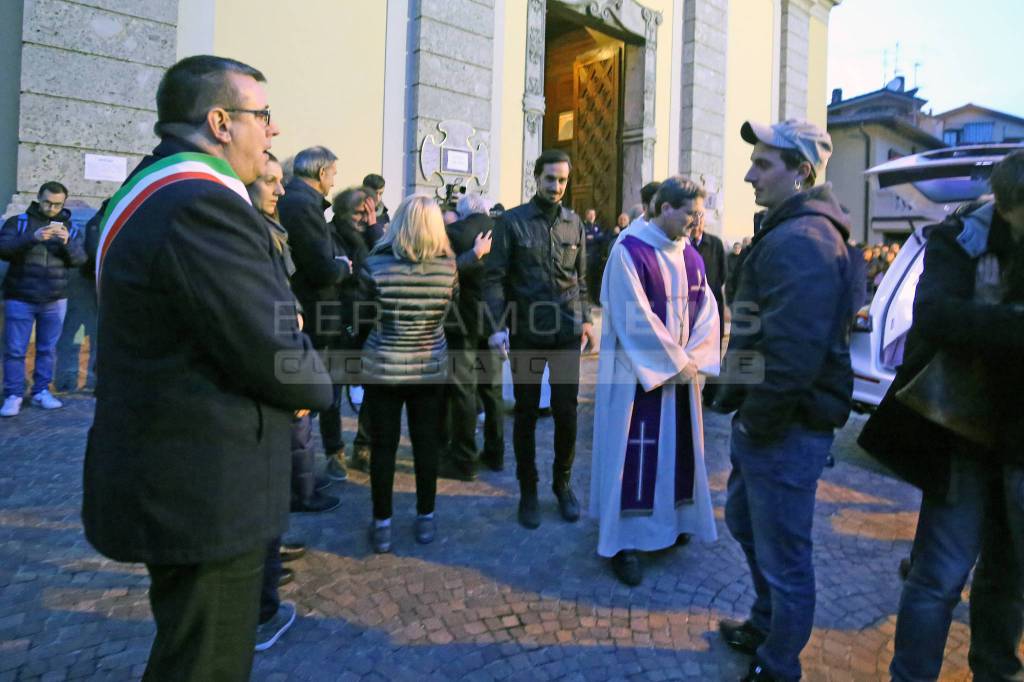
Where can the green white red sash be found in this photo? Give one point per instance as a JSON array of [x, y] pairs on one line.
[[167, 171]]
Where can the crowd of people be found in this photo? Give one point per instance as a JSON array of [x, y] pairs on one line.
[[237, 304]]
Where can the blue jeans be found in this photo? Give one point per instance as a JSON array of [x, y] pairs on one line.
[[986, 518], [19, 318], [770, 511], [81, 312]]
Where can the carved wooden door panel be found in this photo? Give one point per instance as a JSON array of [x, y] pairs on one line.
[[597, 149]]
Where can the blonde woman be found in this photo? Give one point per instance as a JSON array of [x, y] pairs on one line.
[[412, 279]]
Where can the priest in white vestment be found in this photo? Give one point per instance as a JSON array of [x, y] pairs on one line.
[[660, 329]]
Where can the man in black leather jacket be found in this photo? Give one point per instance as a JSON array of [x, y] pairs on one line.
[[536, 286]]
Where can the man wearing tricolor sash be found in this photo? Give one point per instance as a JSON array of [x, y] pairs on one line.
[[648, 481], [201, 366]]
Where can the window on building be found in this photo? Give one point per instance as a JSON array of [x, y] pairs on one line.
[[951, 138], [978, 133]]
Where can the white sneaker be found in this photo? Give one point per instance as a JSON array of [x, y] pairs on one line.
[[12, 406], [45, 400]]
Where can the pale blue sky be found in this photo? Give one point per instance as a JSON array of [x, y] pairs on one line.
[[969, 50]]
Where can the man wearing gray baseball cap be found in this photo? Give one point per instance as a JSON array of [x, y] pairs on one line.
[[793, 309]]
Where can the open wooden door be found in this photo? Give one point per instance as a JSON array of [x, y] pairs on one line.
[[597, 144]]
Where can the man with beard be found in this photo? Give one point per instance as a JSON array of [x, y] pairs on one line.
[[536, 284]]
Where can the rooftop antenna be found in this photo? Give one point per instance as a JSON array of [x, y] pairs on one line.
[[917, 67], [885, 66], [896, 68]]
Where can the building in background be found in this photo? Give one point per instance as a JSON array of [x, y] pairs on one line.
[[972, 124], [883, 125], [868, 130], [427, 92]]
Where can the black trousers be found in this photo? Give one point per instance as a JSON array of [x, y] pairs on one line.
[[383, 405], [270, 599], [528, 364], [476, 376], [488, 390], [206, 617], [460, 424], [330, 426]]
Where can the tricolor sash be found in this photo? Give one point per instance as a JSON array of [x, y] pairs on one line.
[[144, 184], [640, 469]]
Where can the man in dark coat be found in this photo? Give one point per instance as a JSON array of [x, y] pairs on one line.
[[538, 269], [712, 252], [795, 295], [969, 305], [320, 267], [201, 367], [43, 248], [470, 237]]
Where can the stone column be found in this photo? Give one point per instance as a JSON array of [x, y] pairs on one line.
[[639, 133], [702, 100], [89, 73], [449, 78], [794, 36], [533, 97]]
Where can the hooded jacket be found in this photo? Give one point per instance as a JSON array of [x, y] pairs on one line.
[[792, 313], [39, 270]]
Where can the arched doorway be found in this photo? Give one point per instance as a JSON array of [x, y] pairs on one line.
[[590, 86]]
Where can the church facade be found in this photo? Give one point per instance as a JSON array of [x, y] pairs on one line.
[[435, 95]]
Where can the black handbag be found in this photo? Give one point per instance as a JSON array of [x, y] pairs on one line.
[[954, 393]]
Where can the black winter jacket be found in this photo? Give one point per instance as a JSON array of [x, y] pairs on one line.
[[351, 292], [39, 270], [537, 269], [407, 344], [947, 317], [464, 320], [712, 252], [793, 309], [318, 268], [198, 378]]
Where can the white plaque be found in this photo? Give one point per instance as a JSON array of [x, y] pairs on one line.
[[108, 168], [456, 161]]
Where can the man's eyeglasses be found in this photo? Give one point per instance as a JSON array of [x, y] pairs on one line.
[[696, 216], [51, 204], [258, 113]]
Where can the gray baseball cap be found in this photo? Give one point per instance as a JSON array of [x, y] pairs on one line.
[[813, 143]]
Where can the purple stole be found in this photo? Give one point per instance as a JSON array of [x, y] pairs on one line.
[[641, 465]]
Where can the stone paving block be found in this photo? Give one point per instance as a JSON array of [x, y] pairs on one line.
[[490, 601]]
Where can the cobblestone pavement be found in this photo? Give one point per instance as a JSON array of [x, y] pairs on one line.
[[487, 600]]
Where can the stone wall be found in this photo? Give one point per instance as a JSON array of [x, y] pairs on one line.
[[89, 73], [702, 99], [449, 77], [795, 37]]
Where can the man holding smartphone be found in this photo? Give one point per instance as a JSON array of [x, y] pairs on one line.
[[42, 247]]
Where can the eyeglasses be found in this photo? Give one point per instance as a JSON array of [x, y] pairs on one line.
[[258, 113], [696, 216], [51, 204]]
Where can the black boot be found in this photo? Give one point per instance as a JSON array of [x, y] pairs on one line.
[[529, 508], [568, 505]]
